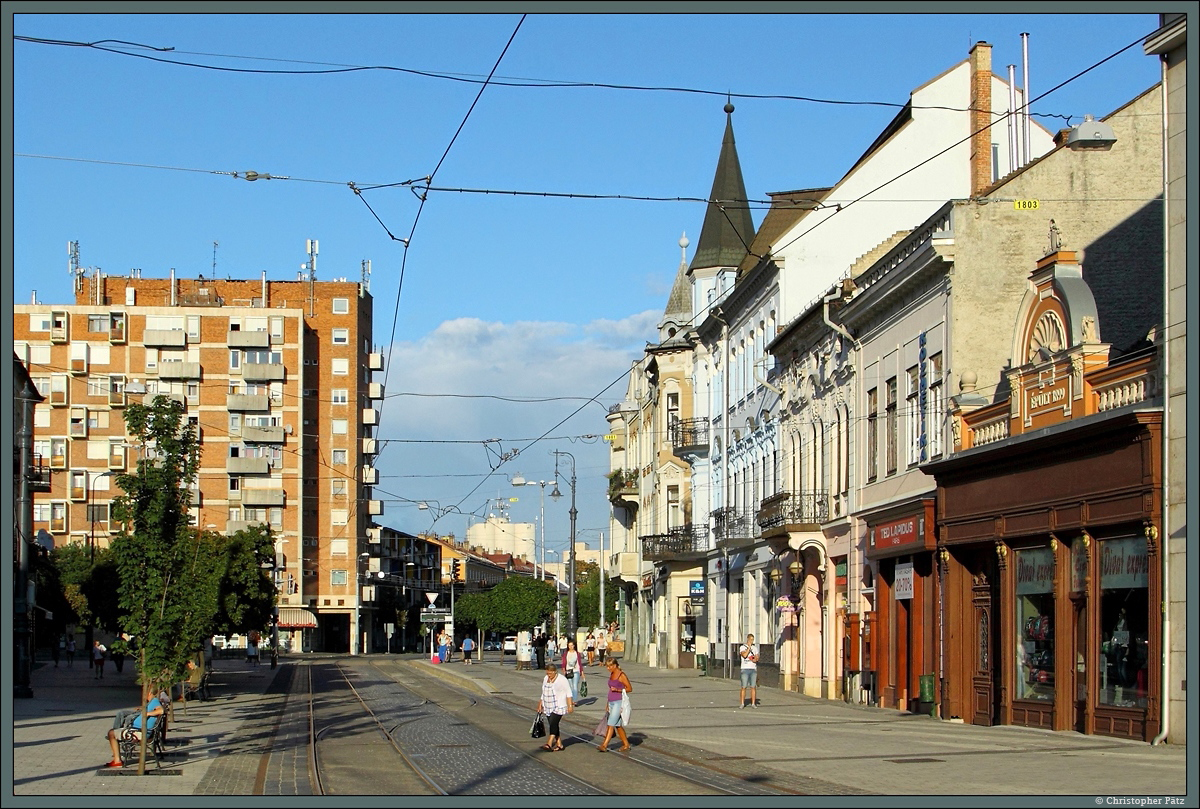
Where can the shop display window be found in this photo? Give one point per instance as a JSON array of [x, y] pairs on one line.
[[1124, 622], [1035, 624]]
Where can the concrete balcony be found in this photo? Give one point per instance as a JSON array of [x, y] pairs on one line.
[[247, 466], [233, 526], [375, 390], [375, 362], [264, 372], [247, 402], [165, 338], [370, 475], [179, 370], [263, 497], [370, 417], [625, 566], [248, 339], [262, 435]]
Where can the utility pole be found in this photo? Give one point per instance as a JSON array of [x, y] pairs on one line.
[[603, 568]]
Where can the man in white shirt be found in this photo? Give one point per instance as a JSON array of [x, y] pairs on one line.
[[749, 655]]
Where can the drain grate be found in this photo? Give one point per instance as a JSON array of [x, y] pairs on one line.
[[915, 760]]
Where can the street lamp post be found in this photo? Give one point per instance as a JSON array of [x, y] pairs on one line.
[[91, 515], [363, 557], [572, 617], [557, 611], [520, 481]]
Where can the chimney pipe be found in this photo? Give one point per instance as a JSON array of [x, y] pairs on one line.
[[1012, 118], [1028, 98], [981, 117]]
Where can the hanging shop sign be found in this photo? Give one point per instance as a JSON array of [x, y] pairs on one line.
[[696, 591], [893, 534], [904, 581]]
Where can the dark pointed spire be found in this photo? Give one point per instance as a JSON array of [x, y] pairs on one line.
[[728, 228]]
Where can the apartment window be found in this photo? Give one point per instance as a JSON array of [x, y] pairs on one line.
[[98, 324], [341, 306], [337, 578], [893, 426], [193, 392], [39, 322], [41, 512], [235, 483], [338, 516], [276, 516], [235, 359], [97, 419], [338, 426], [264, 356], [872, 433], [97, 386], [58, 518], [235, 422], [341, 366], [193, 328], [339, 547], [339, 457], [935, 404], [276, 329], [338, 488], [673, 518], [42, 383], [235, 514], [341, 337], [339, 396], [912, 415], [151, 359]]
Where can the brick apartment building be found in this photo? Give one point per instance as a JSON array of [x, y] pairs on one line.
[[277, 376]]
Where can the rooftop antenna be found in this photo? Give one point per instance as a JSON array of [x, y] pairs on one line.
[[73, 264], [310, 246], [215, 245], [366, 275]]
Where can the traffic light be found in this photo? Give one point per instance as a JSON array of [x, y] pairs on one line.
[[454, 570]]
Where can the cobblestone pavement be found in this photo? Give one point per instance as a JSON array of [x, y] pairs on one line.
[[252, 739]]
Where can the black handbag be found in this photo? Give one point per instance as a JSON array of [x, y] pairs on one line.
[[538, 730]]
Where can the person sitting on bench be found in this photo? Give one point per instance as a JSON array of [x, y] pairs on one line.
[[154, 710]]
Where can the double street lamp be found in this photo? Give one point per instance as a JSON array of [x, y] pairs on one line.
[[520, 481], [572, 618], [89, 634]]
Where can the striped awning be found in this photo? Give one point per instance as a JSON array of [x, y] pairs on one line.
[[296, 618]]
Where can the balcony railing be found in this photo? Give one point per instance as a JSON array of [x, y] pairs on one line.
[[690, 437], [788, 509], [686, 542], [733, 528]]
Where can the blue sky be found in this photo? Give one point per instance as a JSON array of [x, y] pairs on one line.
[[503, 296]]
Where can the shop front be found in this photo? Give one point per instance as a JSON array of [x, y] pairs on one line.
[[1047, 530], [904, 646]]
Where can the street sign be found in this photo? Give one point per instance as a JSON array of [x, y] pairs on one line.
[[434, 618], [432, 597]]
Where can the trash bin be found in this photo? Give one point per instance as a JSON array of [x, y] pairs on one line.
[[927, 696], [702, 664]]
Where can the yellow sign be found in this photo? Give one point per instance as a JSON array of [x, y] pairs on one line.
[[610, 437], [1026, 204], [513, 499]]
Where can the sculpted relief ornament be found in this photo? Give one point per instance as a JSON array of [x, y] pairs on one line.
[[1048, 338]]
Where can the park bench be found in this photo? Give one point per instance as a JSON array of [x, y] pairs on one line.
[[129, 741]]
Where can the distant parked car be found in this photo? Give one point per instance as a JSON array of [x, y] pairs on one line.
[[510, 645], [492, 646]]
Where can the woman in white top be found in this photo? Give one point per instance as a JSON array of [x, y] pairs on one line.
[[556, 702], [572, 664]]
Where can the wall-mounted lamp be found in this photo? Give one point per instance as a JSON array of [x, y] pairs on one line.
[[1091, 135]]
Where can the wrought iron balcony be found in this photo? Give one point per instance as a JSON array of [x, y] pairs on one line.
[[685, 543], [793, 511], [623, 487], [733, 528], [690, 437]]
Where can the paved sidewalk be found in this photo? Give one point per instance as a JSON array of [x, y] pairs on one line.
[[59, 735], [831, 747], [812, 746]]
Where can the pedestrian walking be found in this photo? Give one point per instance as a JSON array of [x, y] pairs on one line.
[[468, 646], [618, 706], [539, 649], [252, 651], [572, 666], [56, 650], [602, 645], [589, 644], [556, 702], [99, 650], [749, 655], [442, 641], [70, 652]]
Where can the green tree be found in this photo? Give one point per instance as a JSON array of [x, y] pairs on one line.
[[169, 572], [587, 595], [247, 593], [517, 603]]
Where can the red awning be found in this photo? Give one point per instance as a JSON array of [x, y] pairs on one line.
[[296, 618]]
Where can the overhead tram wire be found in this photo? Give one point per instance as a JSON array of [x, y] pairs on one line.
[[421, 207], [551, 84]]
